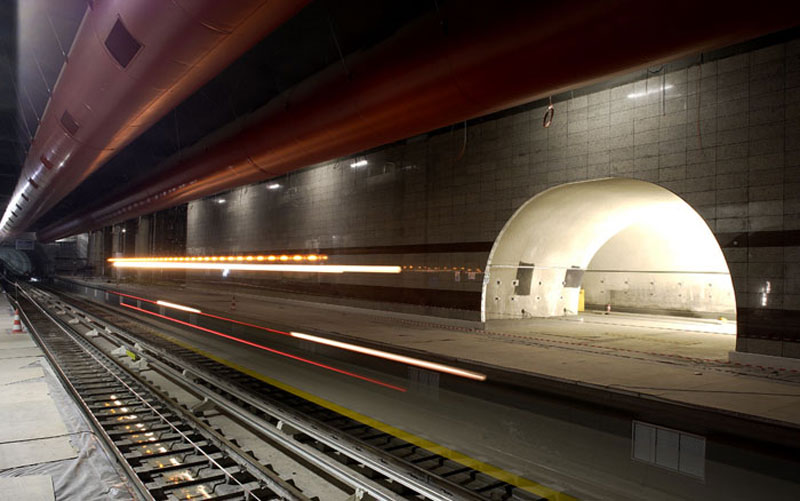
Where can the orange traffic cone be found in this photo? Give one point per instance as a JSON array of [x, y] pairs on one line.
[[17, 324]]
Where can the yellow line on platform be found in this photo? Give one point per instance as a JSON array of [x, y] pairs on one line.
[[493, 471]]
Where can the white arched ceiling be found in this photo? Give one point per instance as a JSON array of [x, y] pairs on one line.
[[630, 243]]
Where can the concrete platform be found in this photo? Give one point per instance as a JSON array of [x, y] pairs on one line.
[[46, 449], [29, 488], [32, 431]]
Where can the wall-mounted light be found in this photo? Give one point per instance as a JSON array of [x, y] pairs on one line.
[[220, 200], [359, 163], [273, 186], [648, 92]]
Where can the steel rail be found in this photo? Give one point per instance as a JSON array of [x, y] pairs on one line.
[[412, 476], [141, 489], [275, 484], [415, 479]]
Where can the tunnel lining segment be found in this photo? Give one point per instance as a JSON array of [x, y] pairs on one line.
[[626, 242]]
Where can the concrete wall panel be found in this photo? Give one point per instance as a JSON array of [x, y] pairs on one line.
[[722, 135]]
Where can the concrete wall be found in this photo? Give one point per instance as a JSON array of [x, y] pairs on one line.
[[99, 250], [722, 135], [646, 269]]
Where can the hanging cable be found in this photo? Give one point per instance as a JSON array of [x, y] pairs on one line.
[[338, 48], [41, 73], [55, 34], [30, 102]]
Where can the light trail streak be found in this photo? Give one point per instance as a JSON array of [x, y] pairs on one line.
[[271, 350], [285, 268], [178, 306], [393, 357]]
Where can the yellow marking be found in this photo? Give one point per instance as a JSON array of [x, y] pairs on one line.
[[131, 354], [493, 471]]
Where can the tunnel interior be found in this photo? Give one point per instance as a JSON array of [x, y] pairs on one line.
[[621, 243]]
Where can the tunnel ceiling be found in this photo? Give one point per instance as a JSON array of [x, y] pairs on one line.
[[314, 39], [34, 38], [322, 34]]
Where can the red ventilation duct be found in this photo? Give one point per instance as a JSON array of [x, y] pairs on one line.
[[466, 60], [130, 63]]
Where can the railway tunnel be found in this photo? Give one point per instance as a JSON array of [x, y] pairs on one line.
[[411, 250]]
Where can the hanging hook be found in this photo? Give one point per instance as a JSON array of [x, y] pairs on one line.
[[549, 114]]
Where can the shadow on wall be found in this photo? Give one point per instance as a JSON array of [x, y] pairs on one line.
[[627, 243]]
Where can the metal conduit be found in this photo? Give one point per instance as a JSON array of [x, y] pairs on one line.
[[460, 62], [130, 63]]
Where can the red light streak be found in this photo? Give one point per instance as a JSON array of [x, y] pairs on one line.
[[275, 331], [132, 297], [262, 347], [347, 346]]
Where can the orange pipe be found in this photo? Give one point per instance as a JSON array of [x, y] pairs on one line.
[[165, 51], [467, 60]]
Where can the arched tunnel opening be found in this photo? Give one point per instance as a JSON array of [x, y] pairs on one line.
[[14, 262], [620, 244]]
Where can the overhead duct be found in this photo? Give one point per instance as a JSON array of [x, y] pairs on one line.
[[130, 63], [465, 60]]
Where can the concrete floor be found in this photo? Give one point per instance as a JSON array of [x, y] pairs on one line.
[[563, 448], [32, 431], [46, 449]]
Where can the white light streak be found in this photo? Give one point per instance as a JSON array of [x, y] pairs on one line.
[[360, 163], [297, 268], [393, 356], [178, 306], [274, 186]]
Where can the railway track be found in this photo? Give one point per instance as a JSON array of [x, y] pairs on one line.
[[370, 463], [167, 453]]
